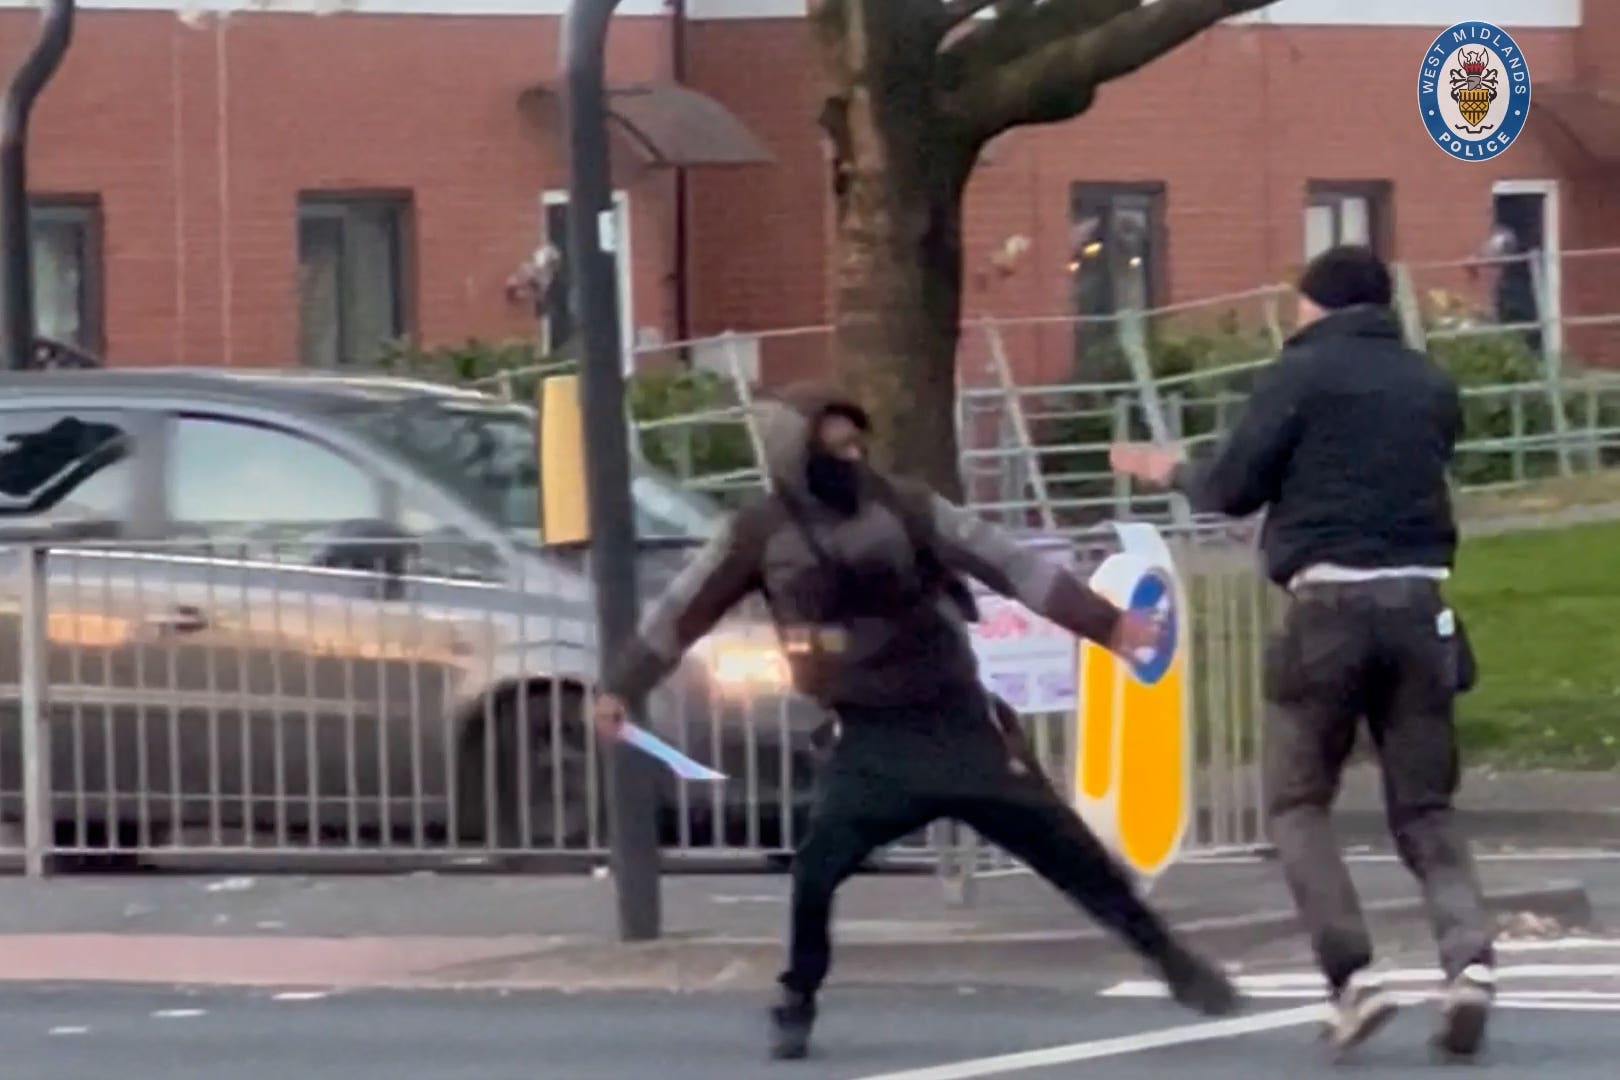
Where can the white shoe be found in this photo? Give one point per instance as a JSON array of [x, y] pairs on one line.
[[1359, 1011], [1464, 1009]]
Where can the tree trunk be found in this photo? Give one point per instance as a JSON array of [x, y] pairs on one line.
[[899, 307], [900, 167]]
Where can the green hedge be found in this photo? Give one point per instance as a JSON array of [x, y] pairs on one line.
[[474, 362], [689, 450]]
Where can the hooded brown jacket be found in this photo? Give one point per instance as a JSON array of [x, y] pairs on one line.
[[879, 626]]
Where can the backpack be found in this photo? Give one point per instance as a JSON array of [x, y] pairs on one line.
[[936, 576]]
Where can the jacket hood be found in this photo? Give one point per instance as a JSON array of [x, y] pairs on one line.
[[787, 422], [1362, 320]]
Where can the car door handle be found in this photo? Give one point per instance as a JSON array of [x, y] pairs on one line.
[[183, 619]]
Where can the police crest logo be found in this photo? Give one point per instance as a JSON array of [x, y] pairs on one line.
[[1474, 91]]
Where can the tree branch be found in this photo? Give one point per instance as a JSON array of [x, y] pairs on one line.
[[1023, 25], [1059, 79]]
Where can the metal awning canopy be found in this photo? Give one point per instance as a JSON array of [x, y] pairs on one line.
[[1588, 118], [666, 125]]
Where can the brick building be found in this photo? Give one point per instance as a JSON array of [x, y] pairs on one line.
[[276, 187]]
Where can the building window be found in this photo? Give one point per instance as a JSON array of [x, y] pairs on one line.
[[1347, 213], [554, 304], [559, 325], [352, 272], [1519, 236], [1117, 240], [65, 244]]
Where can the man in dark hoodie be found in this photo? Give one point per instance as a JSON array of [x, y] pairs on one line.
[[859, 571], [1345, 445]]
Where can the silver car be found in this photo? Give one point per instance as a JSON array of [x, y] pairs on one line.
[[293, 609]]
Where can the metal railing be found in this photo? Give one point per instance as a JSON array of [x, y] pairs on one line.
[[1034, 452], [1510, 438], [427, 699], [1541, 396], [675, 440], [352, 699], [1231, 611]]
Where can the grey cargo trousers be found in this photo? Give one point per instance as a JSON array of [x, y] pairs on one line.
[[1377, 650]]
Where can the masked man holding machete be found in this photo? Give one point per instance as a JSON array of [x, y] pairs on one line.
[[860, 572]]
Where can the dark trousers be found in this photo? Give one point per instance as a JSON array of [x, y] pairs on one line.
[[893, 772], [1379, 651]]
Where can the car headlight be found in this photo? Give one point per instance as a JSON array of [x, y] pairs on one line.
[[745, 665]]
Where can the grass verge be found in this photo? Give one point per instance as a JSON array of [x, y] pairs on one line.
[[1542, 609]]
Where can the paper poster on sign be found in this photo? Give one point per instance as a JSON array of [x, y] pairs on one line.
[[1028, 661]]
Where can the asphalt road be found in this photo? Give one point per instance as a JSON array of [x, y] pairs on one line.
[[953, 1033]]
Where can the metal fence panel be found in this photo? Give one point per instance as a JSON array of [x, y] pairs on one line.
[[353, 700], [269, 699], [1232, 610]]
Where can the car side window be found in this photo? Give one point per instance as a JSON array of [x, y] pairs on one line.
[[65, 466], [262, 492], [440, 549]]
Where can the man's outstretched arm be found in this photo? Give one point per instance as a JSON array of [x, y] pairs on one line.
[[975, 547], [1246, 473], [723, 573]]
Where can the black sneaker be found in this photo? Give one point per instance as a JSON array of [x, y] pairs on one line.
[[1197, 984], [791, 1021], [1464, 1008], [1360, 1009]]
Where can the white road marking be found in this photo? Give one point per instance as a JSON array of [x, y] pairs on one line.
[[177, 1014], [1552, 855], [1570, 944], [301, 995], [70, 1029], [1106, 1048], [1564, 995], [1524, 999], [1310, 982], [1573, 855]]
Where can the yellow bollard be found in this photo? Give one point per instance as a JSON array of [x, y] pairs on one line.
[[564, 518], [1133, 733]]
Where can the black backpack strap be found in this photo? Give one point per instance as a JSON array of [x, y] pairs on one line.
[[914, 515], [795, 513], [932, 569]]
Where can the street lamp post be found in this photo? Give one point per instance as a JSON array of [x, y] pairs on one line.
[[592, 239], [16, 266]]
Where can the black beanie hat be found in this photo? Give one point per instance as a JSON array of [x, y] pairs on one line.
[[1345, 276]]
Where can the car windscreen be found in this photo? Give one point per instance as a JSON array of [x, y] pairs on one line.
[[485, 453]]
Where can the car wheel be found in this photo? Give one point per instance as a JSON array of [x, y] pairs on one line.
[[555, 752]]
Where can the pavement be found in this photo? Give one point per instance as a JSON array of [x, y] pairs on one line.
[[1502, 810], [722, 932]]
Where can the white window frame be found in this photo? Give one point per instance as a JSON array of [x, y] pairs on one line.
[[1552, 241], [623, 264], [1334, 204], [1377, 198]]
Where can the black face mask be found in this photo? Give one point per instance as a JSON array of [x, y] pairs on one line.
[[834, 481]]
